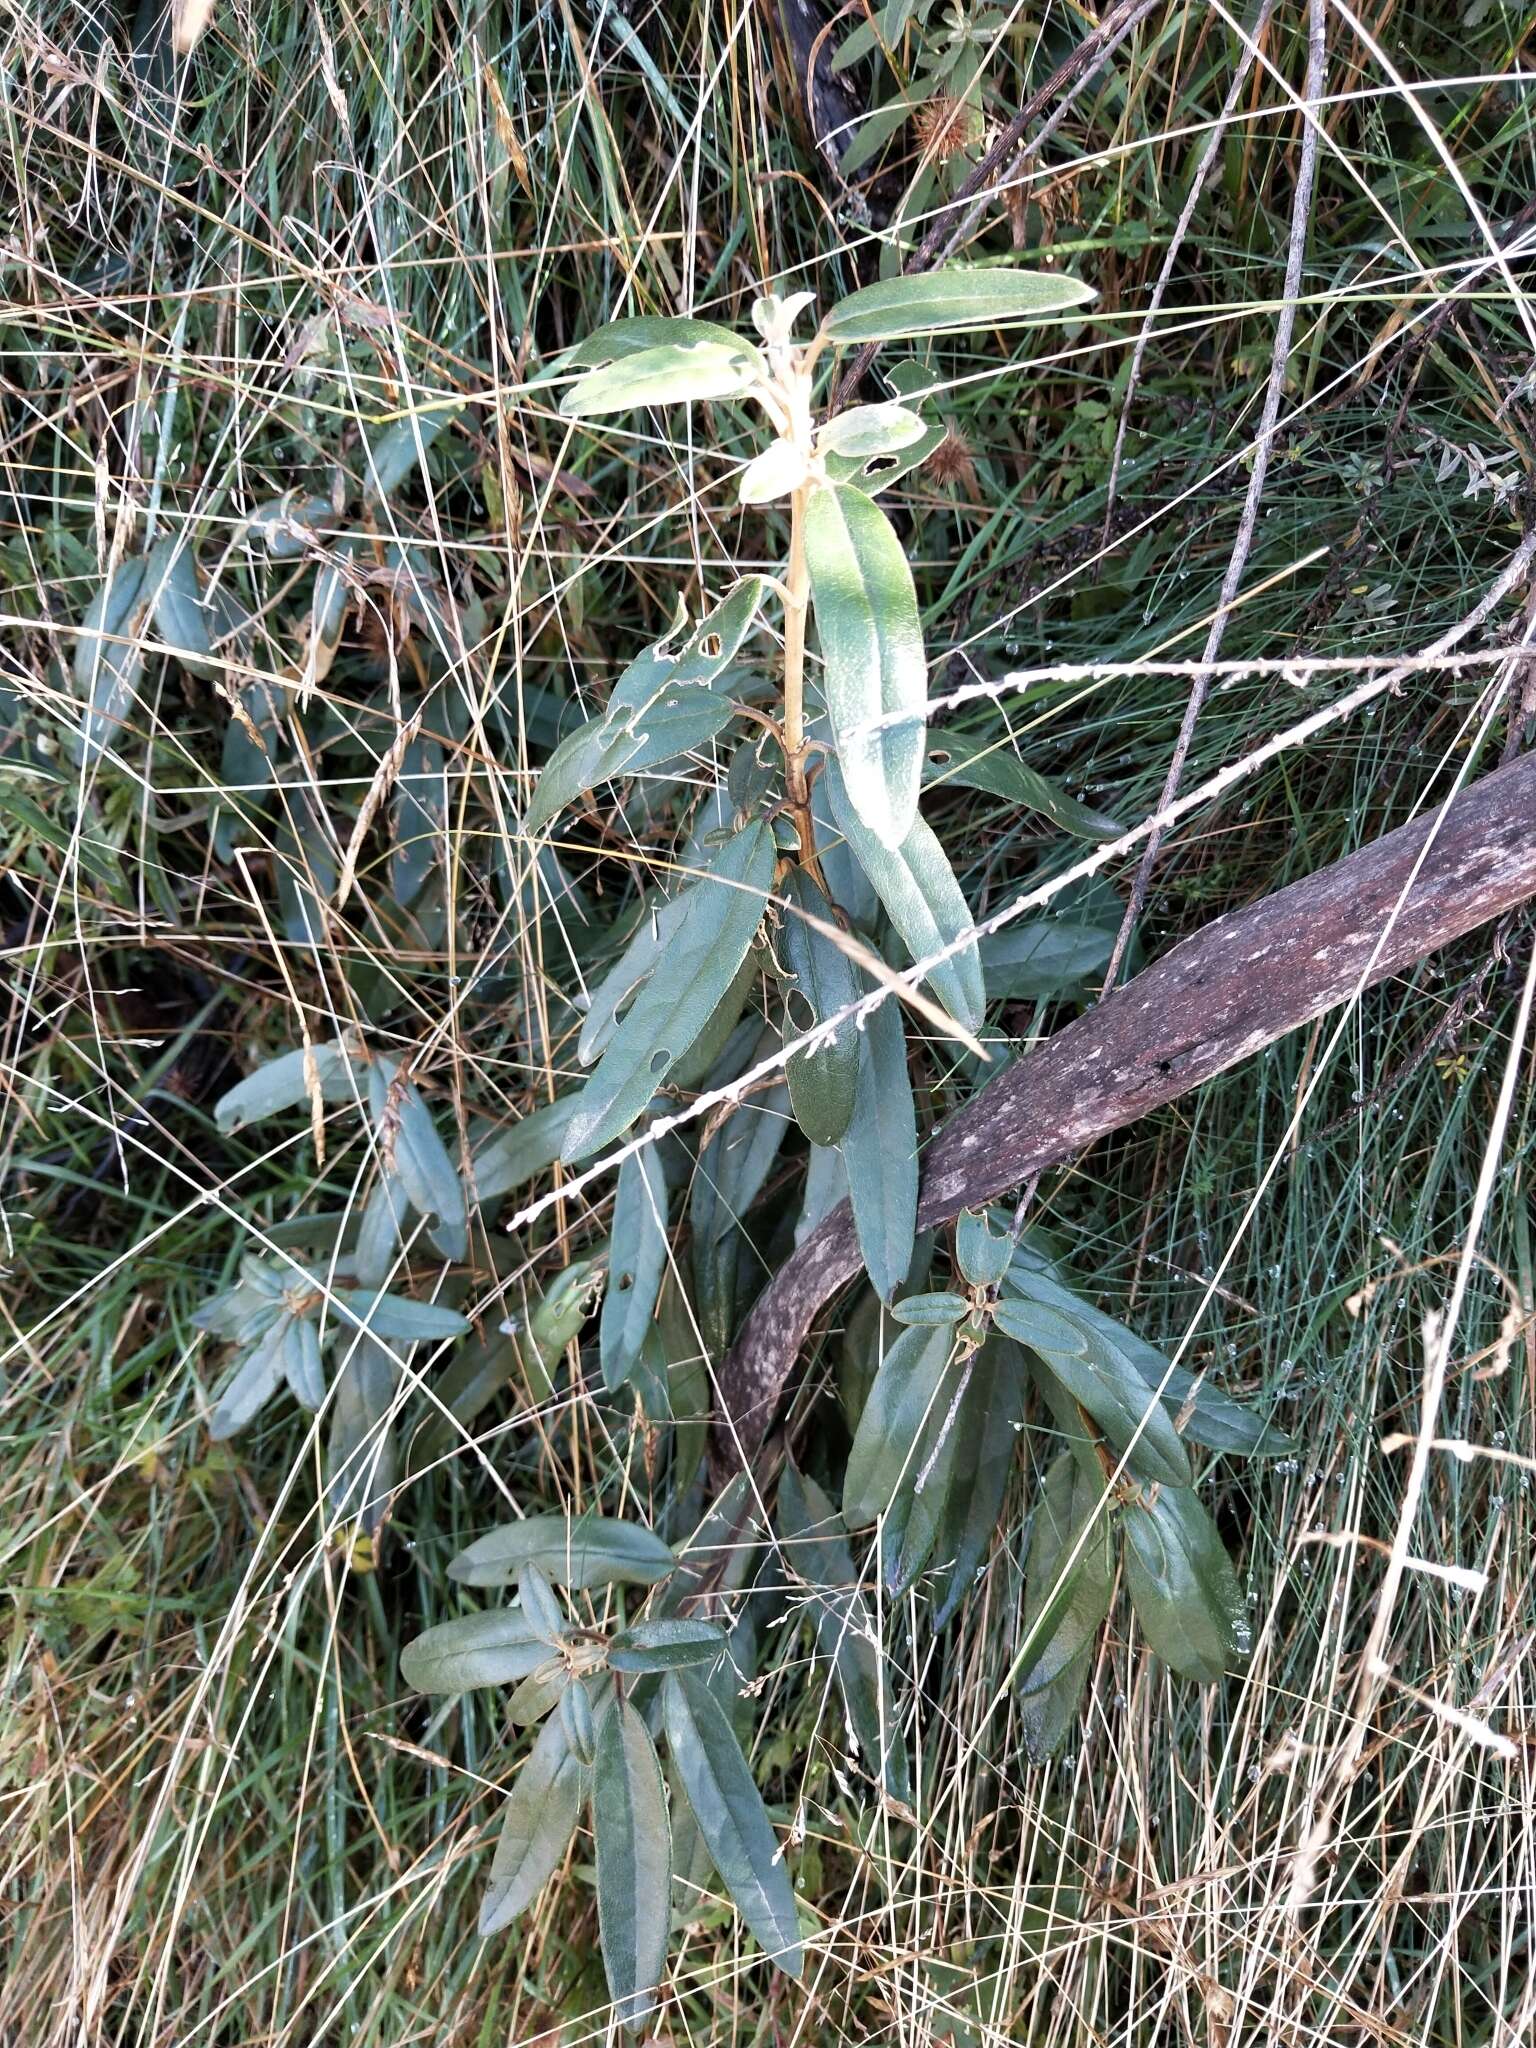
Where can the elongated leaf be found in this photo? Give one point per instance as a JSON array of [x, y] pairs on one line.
[[301, 1362], [815, 1543], [879, 1149], [866, 430], [499, 1647], [931, 1311], [951, 301], [392, 452], [665, 1645], [395, 1315], [638, 1261], [994, 1410], [579, 1721], [1063, 1609], [1096, 1375], [630, 336], [634, 1861], [360, 1451], [725, 908], [510, 1158], [823, 984], [379, 1233], [670, 373], [1210, 1417], [283, 1083], [410, 1143], [872, 648], [731, 1816], [536, 1829], [906, 1391], [1031, 961], [1182, 1584], [663, 705], [992, 766], [253, 1382], [182, 617], [539, 1694], [584, 1553], [109, 654], [917, 885], [419, 817]]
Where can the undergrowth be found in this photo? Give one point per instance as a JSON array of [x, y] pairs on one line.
[[227, 278]]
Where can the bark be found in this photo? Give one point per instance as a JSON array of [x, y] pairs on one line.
[[1217, 998]]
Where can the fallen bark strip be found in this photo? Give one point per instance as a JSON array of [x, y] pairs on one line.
[[1217, 998]]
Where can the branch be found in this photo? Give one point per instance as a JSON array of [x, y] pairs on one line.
[[1218, 998]]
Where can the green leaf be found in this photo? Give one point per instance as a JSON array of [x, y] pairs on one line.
[[1063, 1609], [1097, 1376], [253, 1382], [579, 1720], [724, 910], [879, 1149], [866, 430], [815, 1541], [1033, 961], [109, 653], [301, 1363], [637, 1263], [969, 762], [418, 817], [731, 1816], [634, 1861], [537, 1825], [392, 452], [328, 610], [822, 984], [395, 1315], [509, 1158], [631, 336], [982, 1253], [665, 1645], [731, 1171], [872, 650], [994, 1409], [780, 469], [360, 1451], [591, 1551], [1182, 1584], [283, 1083], [1211, 1417], [539, 1694], [409, 1141], [907, 1389], [278, 522], [917, 885], [541, 1604], [671, 373], [663, 705], [499, 1647], [952, 301], [931, 1311], [182, 618]]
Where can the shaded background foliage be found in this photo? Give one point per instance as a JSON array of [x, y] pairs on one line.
[[224, 279]]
